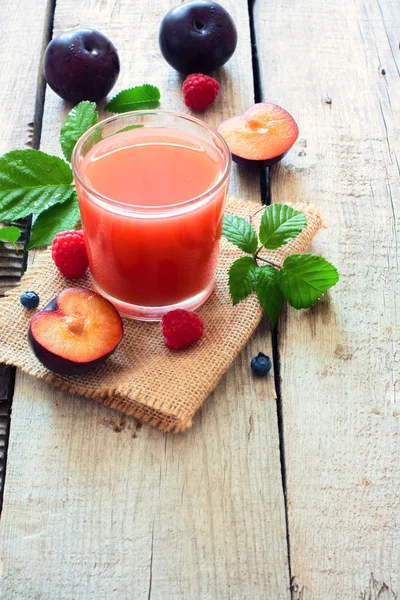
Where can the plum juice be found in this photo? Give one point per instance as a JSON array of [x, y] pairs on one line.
[[151, 217]]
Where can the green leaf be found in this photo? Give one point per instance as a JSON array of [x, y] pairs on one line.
[[280, 223], [56, 218], [81, 118], [242, 277], [32, 181], [10, 234], [268, 292], [305, 277], [141, 96], [239, 231], [129, 127]]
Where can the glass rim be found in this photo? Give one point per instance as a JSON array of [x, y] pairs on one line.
[[164, 207]]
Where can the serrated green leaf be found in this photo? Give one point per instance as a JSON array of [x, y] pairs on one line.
[[10, 234], [305, 277], [135, 98], [56, 218], [268, 292], [280, 223], [242, 278], [239, 231], [32, 181], [81, 118]]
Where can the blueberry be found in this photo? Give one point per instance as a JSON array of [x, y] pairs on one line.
[[29, 299], [261, 364]]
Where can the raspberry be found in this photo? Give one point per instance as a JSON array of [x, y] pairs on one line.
[[199, 91], [68, 251], [181, 329]]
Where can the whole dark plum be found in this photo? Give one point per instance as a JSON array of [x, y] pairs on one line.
[[81, 64], [197, 37]]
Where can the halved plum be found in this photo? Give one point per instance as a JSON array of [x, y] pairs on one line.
[[76, 332], [261, 136]]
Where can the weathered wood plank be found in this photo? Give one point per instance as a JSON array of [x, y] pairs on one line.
[[333, 67], [20, 76], [22, 91], [21, 96], [96, 506]]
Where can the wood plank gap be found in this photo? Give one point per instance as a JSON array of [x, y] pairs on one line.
[[41, 84], [276, 357], [265, 192], [254, 54], [38, 117], [5, 420]]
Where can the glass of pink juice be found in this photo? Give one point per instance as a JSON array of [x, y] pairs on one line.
[[152, 187]]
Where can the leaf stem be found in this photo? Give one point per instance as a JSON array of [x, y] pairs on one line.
[[250, 217], [270, 262]]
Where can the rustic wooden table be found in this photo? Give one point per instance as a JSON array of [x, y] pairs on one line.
[[277, 492]]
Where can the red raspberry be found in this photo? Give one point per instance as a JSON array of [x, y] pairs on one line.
[[181, 329], [199, 91], [68, 251]]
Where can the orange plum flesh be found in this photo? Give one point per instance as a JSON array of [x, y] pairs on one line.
[[265, 132], [77, 329]]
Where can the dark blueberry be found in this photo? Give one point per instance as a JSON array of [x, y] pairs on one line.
[[261, 364], [29, 299]]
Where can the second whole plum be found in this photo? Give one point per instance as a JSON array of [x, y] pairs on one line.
[[197, 37]]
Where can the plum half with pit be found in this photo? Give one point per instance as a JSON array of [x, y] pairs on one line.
[[197, 37], [76, 332], [261, 136], [81, 64]]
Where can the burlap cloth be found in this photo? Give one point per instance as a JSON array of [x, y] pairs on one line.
[[143, 378]]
